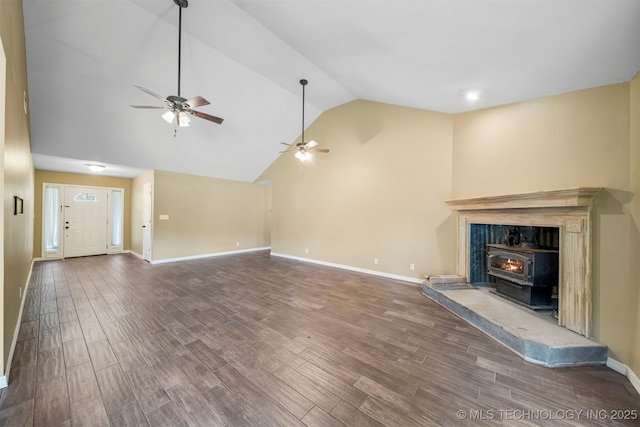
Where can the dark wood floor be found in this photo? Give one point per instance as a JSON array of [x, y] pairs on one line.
[[251, 340]]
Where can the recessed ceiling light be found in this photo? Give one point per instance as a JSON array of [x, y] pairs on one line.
[[95, 168], [472, 95]]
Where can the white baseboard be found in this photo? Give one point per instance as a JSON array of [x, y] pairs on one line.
[[210, 255], [38, 259], [4, 380], [635, 381], [623, 369], [619, 367], [136, 254], [351, 268]]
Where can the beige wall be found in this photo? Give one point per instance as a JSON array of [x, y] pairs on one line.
[[17, 172], [570, 140], [379, 193], [78, 179], [634, 159], [268, 198], [3, 62], [206, 215]]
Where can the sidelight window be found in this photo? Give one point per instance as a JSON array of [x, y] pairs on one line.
[[51, 218], [117, 217]]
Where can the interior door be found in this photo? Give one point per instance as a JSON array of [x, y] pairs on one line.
[[85, 221], [146, 221]]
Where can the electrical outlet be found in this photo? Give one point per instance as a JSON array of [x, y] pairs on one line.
[[375, 261], [237, 243], [306, 250], [412, 266]]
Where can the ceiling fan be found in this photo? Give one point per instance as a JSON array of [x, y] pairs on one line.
[[304, 149], [179, 108]]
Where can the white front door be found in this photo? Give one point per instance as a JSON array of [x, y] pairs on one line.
[[146, 221], [85, 221]]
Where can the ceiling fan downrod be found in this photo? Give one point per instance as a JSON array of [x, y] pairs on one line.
[[182, 4], [303, 82]]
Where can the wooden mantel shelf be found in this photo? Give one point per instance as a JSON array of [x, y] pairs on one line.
[[573, 197]]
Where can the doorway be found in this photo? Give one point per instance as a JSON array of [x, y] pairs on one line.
[[146, 221], [81, 220], [85, 221]]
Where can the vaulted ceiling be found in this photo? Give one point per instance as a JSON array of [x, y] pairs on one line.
[[246, 57]]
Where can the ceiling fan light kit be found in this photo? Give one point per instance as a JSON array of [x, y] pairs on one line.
[[169, 116], [304, 149], [179, 108], [302, 155], [183, 120]]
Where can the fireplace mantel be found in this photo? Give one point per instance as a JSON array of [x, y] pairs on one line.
[[570, 211], [573, 197]]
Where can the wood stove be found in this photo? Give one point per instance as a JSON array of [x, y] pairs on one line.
[[525, 275]]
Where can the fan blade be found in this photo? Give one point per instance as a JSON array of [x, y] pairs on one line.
[[320, 150], [289, 147], [310, 144], [162, 98], [150, 106], [206, 116], [197, 101]]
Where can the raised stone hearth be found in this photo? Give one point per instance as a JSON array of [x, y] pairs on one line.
[[536, 336]]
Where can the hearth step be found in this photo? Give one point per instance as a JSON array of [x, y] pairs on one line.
[[447, 281], [535, 336], [445, 278]]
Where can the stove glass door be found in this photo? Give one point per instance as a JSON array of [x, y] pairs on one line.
[[507, 264]]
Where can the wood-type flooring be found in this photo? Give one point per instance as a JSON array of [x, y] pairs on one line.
[[255, 340]]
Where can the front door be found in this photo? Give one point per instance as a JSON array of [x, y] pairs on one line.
[[85, 221]]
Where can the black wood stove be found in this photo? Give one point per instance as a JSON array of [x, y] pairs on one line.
[[525, 275]]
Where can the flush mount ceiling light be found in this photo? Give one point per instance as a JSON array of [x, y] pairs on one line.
[[95, 168], [304, 149], [180, 108], [472, 95]]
